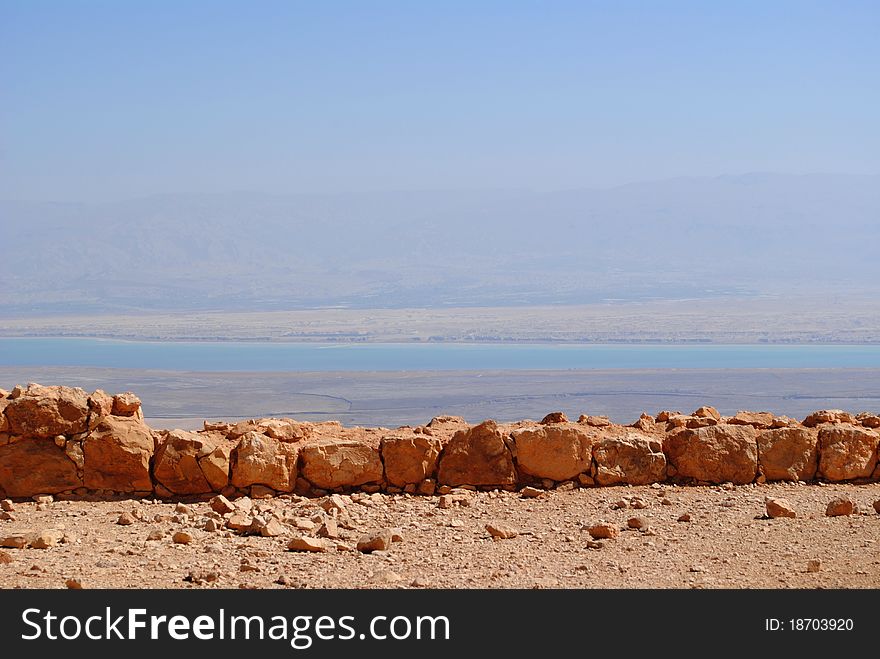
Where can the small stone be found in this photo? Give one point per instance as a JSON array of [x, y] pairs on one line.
[[450, 500], [620, 505], [378, 541], [155, 534], [262, 492], [603, 531], [779, 508], [183, 509], [199, 578], [182, 538], [684, 518], [333, 502], [530, 492], [272, 529], [814, 565], [7, 517], [305, 543], [554, 417], [240, 521], [637, 503], [427, 487], [47, 539], [45, 499], [877, 506], [419, 582], [638, 523], [595, 544], [387, 576], [5, 558], [7, 506], [329, 529], [222, 505], [696, 568], [841, 506], [304, 524], [396, 534], [244, 504], [125, 519], [212, 525], [74, 584], [501, 531]]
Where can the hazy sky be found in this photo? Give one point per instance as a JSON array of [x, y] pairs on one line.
[[105, 100]]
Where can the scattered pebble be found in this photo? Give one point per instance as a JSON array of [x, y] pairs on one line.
[[779, 508], [501, 531], [182, 538], [841, 506]]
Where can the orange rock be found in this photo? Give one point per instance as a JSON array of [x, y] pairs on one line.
[[847, 452], [48, 411], [841, 507], [477, 456], [788, 454], [554, 417], [176, 465], [779, 508], [829, 416], [117, 455], [716, 454], [754, 419], [32, 466], [127, 404], [558, 452], [603, 531], [707, 412], [100, 404], [261, 460], [409, 458], [634, 459], [330, 464]]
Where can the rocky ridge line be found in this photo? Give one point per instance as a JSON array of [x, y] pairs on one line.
[[65, 442]]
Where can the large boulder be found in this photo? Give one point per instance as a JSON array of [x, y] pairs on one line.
[[477, 456], [117, 455], [409, 457], [181, 459], [715, 454], [36, 466], [261, 460], [329, 464], [788, 454], [559, 451], [48, 411], [847, 452], [633, 459]]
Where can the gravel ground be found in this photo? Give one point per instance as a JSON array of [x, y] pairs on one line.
[[728, 542]]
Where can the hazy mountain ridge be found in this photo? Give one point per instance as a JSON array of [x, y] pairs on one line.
[[692, 237]]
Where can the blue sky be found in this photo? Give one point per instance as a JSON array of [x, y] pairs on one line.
[[107, 100]]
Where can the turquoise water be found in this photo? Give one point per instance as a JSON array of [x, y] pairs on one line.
[[236, 356]]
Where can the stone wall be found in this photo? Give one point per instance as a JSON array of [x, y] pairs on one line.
[[69, 443]]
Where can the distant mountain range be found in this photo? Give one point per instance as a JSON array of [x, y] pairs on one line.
[[671, 239]]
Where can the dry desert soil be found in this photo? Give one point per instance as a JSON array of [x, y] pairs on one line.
[[728, 542]]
